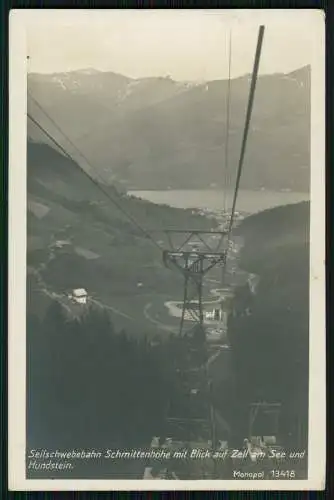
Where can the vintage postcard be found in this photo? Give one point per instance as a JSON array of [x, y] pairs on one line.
[[167, 250]]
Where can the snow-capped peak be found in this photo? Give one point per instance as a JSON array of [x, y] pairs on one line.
[[87, 71]]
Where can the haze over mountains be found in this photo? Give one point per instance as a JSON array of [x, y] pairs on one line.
[[156, 133]]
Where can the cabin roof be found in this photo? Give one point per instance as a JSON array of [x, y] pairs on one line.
[[79, 292]]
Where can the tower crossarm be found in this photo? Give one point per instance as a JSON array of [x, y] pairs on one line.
[[179, 238], [193, 263]]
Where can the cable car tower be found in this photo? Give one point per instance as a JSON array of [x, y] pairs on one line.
[[194, 264]]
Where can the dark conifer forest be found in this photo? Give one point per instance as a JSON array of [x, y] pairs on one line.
[[89, 385]]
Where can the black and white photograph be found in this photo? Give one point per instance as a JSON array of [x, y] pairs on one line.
[[166, 249]]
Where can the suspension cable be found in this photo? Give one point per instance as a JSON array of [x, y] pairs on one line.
[[66, 137], [247, 121], [245, 136], [227, 127], [95, 182]]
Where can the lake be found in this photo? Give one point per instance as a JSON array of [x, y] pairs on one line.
[[247, 201]]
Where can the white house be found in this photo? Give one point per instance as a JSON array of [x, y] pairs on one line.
[[79, 295]]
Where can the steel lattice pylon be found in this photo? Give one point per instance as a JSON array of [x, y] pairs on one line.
[[272, 410], [193, 416], [193, 266]]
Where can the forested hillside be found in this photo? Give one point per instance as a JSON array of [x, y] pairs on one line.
[[91, 387], [104, 252], [270, 345]]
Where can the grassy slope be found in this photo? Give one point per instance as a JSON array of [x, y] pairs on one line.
[[81, 213]]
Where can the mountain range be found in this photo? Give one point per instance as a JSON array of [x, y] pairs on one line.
[[157, 133]]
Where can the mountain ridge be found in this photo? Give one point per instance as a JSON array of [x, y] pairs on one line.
[[156, 133], [88, 70]]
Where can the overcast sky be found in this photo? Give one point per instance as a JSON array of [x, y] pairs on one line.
[[185, 44]]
